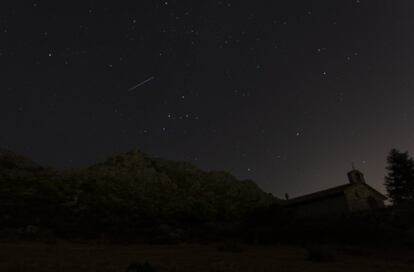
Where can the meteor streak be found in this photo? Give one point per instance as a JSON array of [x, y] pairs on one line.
[[142, 83]]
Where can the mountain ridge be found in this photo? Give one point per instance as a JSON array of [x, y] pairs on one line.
[[122, 194]]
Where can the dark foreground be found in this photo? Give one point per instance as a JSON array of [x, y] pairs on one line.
[[78, 257]]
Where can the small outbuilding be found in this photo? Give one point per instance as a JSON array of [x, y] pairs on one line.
[[354, 197]]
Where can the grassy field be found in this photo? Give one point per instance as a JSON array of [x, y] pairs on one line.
[[64, 257]]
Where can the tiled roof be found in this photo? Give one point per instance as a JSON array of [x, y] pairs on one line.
[[318, 195], [325, 194]]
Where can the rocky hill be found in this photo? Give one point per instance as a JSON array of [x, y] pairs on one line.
[[124, 194]]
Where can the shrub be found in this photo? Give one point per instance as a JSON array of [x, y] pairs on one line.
[[319, 254], [355, 251], [141, 267], [230, 247], [221, 266], [9, 235]]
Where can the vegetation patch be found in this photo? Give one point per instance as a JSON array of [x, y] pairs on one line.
[[230, 246], [141, 267], [318, 253]]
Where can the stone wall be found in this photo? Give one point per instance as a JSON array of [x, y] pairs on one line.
[[361, 198], [335, 205]]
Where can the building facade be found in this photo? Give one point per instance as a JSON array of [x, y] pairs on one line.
[[355, 197]]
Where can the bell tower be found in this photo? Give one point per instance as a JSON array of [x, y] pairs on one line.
[[355, 176]]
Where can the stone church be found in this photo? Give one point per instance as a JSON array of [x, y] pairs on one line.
[[354, 197]]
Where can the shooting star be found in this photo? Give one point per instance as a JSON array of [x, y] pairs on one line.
[[142, 83]]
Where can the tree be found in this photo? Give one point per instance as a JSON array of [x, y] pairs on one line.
[[399, 181]]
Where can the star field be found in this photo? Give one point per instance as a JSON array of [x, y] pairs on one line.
[[287, 94]]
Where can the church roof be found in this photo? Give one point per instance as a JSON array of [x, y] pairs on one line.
[[339, 190]]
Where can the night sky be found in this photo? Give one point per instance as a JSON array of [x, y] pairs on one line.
[[287, 93]]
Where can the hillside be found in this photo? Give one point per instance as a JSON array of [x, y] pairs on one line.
[[10, 162], [129, 194], [178, 185]]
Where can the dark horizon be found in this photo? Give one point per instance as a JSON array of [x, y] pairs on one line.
[[286, 94]]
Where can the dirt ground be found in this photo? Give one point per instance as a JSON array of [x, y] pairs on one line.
[[64, 257]]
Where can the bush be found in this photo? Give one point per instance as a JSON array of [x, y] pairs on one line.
[[141, 267], [221, 266], [9, 235], [230, 247], [355, 251], [319, 254]]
